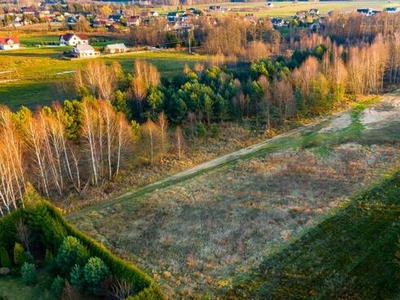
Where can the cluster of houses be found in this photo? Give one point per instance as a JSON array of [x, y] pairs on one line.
[[82, 49], [371, 12], [80, 43]]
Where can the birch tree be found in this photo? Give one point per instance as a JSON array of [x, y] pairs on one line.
[[12, 175]]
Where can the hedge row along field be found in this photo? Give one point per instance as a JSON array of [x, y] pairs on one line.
[[37, 240]]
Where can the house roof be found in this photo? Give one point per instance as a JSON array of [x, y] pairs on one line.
[[8, 40], [69, 36], [83, 47], [116, 46], [133, 18]]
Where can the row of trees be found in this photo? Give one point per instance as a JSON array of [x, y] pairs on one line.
[[60, 148]]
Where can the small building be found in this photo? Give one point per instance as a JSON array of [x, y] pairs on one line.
[[9, 43], [115, 48], [133, 21], [173, 16], [365, 11], [84, 51], [97, 23], [71, 39], [313, 11], [115, 18], [391, 10]]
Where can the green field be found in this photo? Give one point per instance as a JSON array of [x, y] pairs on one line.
[[34, 40], [39, 76]]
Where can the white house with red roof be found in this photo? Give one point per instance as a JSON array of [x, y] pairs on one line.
[[72, 39], [9, 43]]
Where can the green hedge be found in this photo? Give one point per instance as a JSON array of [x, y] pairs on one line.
[[45, 220], [8, 229]]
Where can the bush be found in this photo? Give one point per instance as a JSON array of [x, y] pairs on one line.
[[28, 273], [57, 287], [94, 272], [71, 252], [8, 230], [5, 260], [76, 277], [214, 130], [201, 130], [20, 256]]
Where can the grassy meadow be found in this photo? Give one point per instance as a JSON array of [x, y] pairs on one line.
[[38, 76]]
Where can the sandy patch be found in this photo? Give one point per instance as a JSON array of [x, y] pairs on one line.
[[340, 122], [380, 115]]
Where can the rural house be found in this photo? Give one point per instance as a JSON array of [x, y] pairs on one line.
[[133, 21], [84, 51], [71, 39], [9, 43], [115, 48]]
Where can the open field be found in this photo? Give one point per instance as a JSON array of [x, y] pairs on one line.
[[201, 236], [38, 76]]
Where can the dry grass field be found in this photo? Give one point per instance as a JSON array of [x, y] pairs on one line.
[[201, 235]]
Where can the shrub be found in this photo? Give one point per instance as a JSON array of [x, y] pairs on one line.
[[8, 229], [94, 272], [44, 225], [57, 287], [201, 130], [76, 277], [214, 130], [71, 252], [19, 254], [5, 260], [28, 273]]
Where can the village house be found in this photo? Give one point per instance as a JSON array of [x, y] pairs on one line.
[[133, 21], [9, 43], [365, 11], [313, 11], [84, 51], [96, 23], [115, 48], [115, 18], [71, 39], [391, 9]]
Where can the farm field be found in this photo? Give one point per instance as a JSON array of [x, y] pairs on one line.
[[203, 235], [37, 76]]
